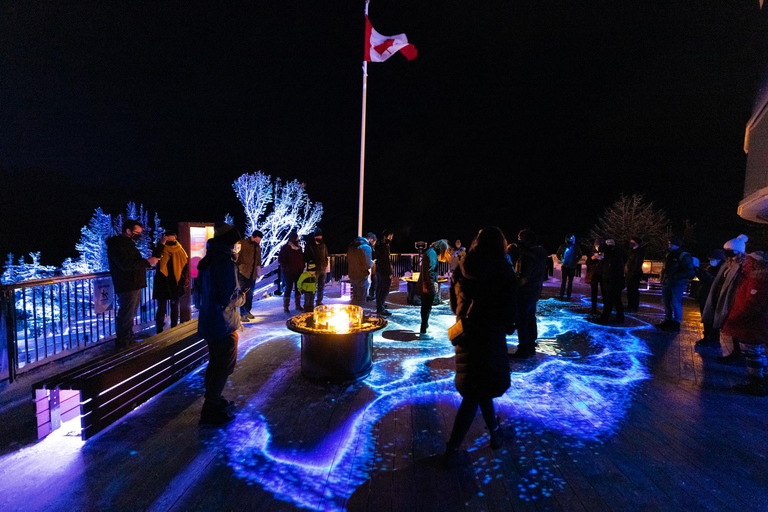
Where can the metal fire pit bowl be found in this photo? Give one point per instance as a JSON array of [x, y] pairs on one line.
[[333, 356]]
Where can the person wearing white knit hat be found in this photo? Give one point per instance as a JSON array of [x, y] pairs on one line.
[[737, 245], [723, 292]]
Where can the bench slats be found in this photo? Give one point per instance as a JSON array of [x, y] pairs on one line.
[[106, 389]]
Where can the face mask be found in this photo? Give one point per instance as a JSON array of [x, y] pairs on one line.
[[171, 243], [136, 237], [714, 262], [318, 240], [730, 253]]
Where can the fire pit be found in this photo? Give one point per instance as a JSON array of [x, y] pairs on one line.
[[336, 342]]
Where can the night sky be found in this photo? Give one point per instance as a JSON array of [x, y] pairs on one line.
[[515, 113]]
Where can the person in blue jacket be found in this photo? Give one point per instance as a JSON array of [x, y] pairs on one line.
[[219, 320]]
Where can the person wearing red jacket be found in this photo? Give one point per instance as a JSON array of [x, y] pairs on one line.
[[747, 322]]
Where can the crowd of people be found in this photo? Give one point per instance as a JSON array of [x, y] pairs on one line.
[[494, 289]]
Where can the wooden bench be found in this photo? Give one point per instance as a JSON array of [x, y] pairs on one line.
[[105, 389]]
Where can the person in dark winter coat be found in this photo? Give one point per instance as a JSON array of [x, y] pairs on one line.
[[219, 319], [612, 281], [427, 284], [249, 267], [594, 275], [171, 279], [359, 262], [678, 269], [291, 261], [711, 337], [383, 272], [316, 254], [483, 293], [128, 269], [531, 272], [371, 293], [633, 273], [569, 255]]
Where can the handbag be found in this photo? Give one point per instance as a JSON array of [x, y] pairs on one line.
[[457, 333]]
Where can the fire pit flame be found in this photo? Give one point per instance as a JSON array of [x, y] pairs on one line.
[[337, 318]]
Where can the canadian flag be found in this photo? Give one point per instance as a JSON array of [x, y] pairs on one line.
[[379, 48]]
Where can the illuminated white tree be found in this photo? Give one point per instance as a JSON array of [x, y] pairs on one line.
[[291, 210]]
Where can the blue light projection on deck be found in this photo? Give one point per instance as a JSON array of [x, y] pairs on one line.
[[581, 386]]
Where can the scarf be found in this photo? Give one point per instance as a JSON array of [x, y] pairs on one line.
[[178, 256]]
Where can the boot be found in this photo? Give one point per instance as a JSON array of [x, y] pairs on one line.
[[215, 414], [453, 457], [755, 386], [733, 359], [706, 342]]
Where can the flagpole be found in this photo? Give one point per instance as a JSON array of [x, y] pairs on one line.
[[362, 144]]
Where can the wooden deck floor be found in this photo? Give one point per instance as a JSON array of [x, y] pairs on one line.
[[680, 441]]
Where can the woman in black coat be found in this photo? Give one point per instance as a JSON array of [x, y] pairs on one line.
[[483, 290]]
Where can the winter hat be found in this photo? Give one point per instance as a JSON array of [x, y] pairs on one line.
[[737, 245], [675, 240], [717, 254], [318, 232], [226, 233], [610, 241]]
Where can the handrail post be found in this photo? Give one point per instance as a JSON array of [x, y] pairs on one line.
[[8, 349]]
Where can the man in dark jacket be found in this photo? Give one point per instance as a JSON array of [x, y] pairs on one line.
[[677, 270], [383, 272], [371, 294], [427, 285], [129, 275], [360, 261], [594, 275], [219, 320], [171, 279], [569, 255], [249, 267], [531, 271], [291, 260], [633, 273], [316, 253], [612, 281]]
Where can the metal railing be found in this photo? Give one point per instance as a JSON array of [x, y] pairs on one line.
[[401, 263], [44, 318]]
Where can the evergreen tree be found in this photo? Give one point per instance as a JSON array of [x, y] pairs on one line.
[[23, 271], [9, 271], [92, 245], [632, 216]]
